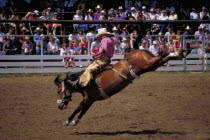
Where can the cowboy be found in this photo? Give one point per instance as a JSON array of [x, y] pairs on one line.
[[102, 59]]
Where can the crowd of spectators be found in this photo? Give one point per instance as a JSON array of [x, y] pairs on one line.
[[81, 39]]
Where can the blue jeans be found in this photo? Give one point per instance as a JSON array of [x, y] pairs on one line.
[[52, 53], [77, 26], [38, 52]]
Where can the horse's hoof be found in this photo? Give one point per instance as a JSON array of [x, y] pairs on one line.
[[66, 123], [73, 123]]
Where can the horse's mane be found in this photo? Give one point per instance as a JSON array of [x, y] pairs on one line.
[[75, 76]]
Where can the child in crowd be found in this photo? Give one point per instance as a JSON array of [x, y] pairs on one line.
[[63, 50], [71, 49]]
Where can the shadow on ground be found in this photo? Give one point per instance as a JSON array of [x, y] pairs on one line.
[[157, 131]]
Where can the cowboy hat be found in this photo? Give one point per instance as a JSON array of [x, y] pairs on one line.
[[133, 8], [114, 28], [102, 12], [36, 12], [98, 7], [102, 31], [38, 29], [120, 7], [89, 11], [24, 29], [187, 28]]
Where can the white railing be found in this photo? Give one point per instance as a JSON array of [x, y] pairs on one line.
[[54, 64]]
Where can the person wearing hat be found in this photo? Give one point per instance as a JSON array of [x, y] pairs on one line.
[[38, 32], [56, 25], [89, 16], [102, 15], [145, 13], [194, 15], [154, 48], [115, 31], [152, 15], [101, 60], [96, 15], [49, 13], [121, 12], [134, 13], [24, 31], [124, 44], [144, 45], [200, 33], [187, 34]]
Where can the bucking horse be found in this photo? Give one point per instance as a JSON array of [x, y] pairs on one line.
[[111, 81]]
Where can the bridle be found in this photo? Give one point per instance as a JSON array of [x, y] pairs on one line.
[[66, 96]]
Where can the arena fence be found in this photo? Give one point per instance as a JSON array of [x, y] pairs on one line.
[[57, 63], [54, 64]]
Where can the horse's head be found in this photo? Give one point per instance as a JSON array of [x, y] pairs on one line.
[[64, 92]]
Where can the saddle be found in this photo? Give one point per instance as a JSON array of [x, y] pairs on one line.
[[73, 79]]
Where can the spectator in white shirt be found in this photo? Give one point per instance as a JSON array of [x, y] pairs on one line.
[[90, 35], [158, 13], [203, 12], [152, 15], [172, 16], [163, 17], [78, 16], [134, 13], [63, 50], [194, 15], [52, 47], [74, 36], [154, 48], [145, 13]]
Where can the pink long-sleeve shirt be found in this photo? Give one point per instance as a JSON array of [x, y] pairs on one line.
[[107, 44]]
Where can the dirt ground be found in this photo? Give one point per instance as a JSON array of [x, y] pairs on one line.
[[158, 106]]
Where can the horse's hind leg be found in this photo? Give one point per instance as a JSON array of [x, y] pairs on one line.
[[84, 110]]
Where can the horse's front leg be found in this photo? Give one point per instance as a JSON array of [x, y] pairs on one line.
[[84, 110], [77, 110]]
